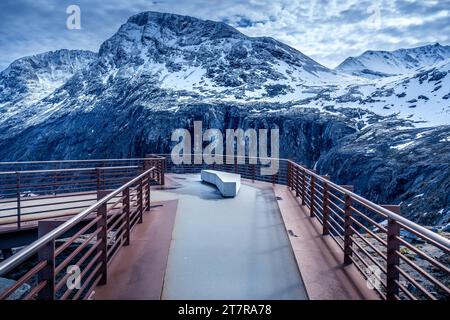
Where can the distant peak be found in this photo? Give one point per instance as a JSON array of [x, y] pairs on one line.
[[400, 61], [61, 56]]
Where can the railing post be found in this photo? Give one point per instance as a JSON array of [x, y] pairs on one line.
[[54, 183], [325, 226], [148, 191], [253, 172], [292, 177], [348, 232], [155, 171], [311, 195], [147, 164], [97, 173], [289, 176], [103, 237], [163, 170], [159, 169], [393, 259], [247, 170], [140, 200], [303, 187], [19, 218], [295, 179], [126, 214], [47, 253]]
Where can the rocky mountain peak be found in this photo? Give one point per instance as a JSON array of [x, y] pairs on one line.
[[187, 53], [162, 32], [184, 26], [34, 77], [64, 59]]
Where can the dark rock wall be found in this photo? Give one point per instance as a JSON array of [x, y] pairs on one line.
[[418, 175]]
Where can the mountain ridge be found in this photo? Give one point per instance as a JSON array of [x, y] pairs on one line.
[[399, 61], [179, 58]]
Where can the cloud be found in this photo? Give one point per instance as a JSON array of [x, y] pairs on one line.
[[327, 30]]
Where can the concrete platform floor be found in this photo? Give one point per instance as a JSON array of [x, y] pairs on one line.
[[137, 272], [229, 248]]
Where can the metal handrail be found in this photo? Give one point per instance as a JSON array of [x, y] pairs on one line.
[[72, 161], [432, 235], [31, 249], [68, 170]]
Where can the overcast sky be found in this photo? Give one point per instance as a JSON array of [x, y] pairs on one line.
[[326, 30]]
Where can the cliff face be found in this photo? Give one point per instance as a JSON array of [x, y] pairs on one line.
[[376, 160]]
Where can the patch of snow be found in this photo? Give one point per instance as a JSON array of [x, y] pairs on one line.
[[402, 146]]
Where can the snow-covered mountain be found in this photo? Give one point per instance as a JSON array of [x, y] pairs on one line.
[[376, 64], [32, 78], [162, 71], [176, 59], [28, 80], [423, 95], [206, 59], [155, 59]]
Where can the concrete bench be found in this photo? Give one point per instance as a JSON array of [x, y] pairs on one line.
[[227, 183]]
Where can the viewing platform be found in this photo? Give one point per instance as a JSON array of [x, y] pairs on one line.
[[236, 248], [148, 229]]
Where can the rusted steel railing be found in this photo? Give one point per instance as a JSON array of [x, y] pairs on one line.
[[71, 257], [376, 239], [39, 189]]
